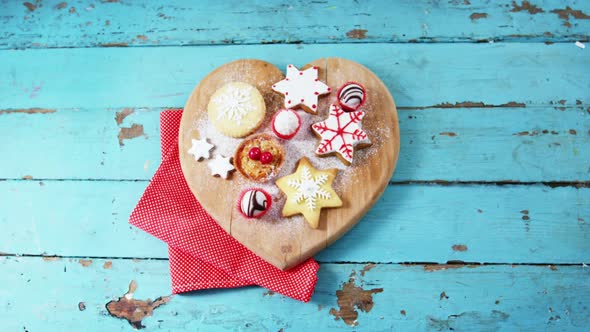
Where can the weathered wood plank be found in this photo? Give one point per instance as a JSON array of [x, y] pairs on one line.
[[417, 75], [463, 144], [65, 295], [182, 22], [410, 223]]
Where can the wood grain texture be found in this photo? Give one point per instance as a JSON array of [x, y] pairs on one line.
[[180, 22], [411, 298], [515, 110], [293, 241], [408, 223], [465, 144], [417, 75]]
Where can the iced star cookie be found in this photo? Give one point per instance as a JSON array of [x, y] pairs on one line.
[[308, 190], [236, 109], [200, 149], [341, 134], [259, 157], [301, 88], [220, 166]]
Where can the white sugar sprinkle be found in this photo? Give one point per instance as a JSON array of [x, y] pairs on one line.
[[303, 144]]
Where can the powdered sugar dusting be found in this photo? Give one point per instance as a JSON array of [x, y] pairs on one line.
[[303, 144]]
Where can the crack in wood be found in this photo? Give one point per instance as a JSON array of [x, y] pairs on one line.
[[27, 111]]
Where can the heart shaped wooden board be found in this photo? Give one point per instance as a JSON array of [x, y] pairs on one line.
[[285, 242]]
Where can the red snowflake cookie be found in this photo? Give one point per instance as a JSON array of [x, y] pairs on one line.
[[340, 133]]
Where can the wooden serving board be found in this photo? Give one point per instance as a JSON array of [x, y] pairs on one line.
[[285, 242]]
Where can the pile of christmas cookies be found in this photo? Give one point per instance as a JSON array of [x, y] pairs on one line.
[[265, 149]]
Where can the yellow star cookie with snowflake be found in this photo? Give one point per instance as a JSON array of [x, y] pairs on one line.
[[309, 190]]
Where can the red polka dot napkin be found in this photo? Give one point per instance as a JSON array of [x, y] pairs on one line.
[[202, 254]]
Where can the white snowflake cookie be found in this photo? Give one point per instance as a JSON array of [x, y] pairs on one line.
[[341, 134], [236, 109], [302, 88], [309, 190]]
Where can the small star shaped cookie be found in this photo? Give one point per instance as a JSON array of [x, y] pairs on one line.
[[221, 166], [301, 88], [200, 149], [309, 190]]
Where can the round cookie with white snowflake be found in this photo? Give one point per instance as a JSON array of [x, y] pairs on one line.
[[236, 109]]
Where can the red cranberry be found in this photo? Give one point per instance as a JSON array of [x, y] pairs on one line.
[[254, 153], [266, 158]]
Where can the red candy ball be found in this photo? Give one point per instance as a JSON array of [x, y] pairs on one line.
[[266, 158], [255, 153]]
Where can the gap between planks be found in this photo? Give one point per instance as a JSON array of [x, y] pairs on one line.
[[551, 184], [453, 263]]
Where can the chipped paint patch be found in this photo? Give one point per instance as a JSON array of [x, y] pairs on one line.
[[268, 293], [126, 133], [484, 321], [448, 133], [477, 16], [441, 267], [61, 5], [565, 14], [120, 116], [443, 296], [552, 267], [367, 268], [536, 133], [107, 265], [27, 177], [142, 37], [402, 312], [81, 306], [85, 262], [459, 247], [27, 111], [30, 6], [51, 258], [134, 311], [526, 6], [351, 299], [357, 34]]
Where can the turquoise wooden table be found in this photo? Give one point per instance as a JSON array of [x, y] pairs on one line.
[[484, 226]]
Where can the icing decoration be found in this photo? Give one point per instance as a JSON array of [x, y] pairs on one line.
[[236, 109], [309, 190], [254, 153], [235, 104], [351, 96], [266, 158], [200, 149], [340, 133], [286, 123], [221, 166], [301, 88], [254, 203]]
